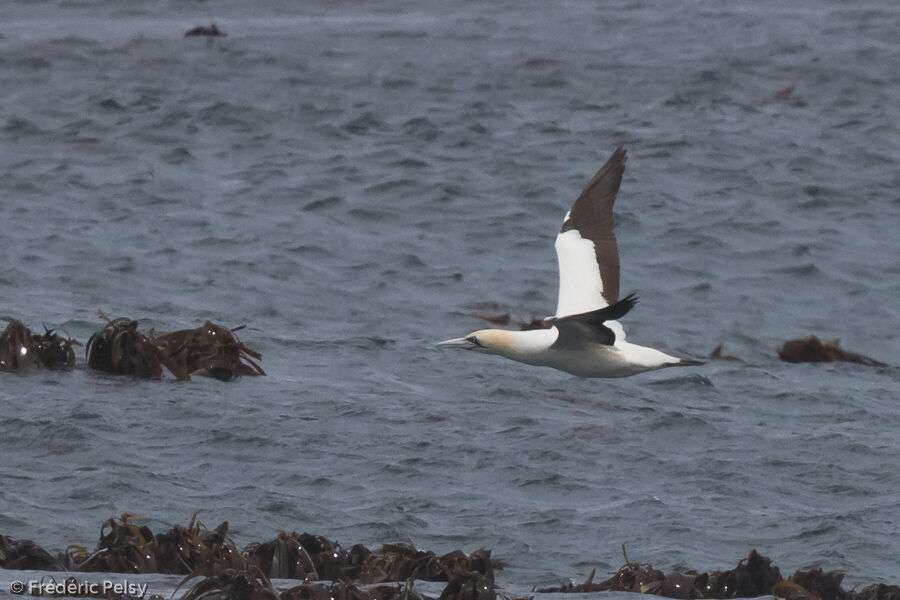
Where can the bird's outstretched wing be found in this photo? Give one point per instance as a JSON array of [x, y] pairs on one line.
[[586, 246], [595, 327]]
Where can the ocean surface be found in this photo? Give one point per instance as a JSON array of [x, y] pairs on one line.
[[356, 181]]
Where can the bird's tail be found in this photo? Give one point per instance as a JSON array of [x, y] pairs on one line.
[[687, 362]]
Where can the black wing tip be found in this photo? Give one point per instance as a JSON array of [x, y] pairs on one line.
[[614, 311], [619, 309], [616, 161], [632, 299]]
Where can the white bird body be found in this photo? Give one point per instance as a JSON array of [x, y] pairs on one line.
[[533, 347], [585, 337]]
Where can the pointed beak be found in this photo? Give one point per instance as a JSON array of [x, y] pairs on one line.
[[463, 343]]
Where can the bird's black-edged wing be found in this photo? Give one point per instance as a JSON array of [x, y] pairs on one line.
[[589, 328], [586, 246]]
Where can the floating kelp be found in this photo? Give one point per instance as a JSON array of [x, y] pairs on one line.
[[878, 591], [210, 350], [812, 349], [348, 591], [822, 585], [18, 350], [211, 31], [196, 550], [253, 584], [55, 351], [716, 354], [505, 319], [121, 349], [233, 584], [387, 573], [21, 350], [25, 555], [124, 547], [534, 323], [306, 556], [282, 558], [501, 319], [395, 562], [753, 576], [631, 577]]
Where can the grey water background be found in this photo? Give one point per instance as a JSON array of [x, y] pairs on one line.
[[353, 181]]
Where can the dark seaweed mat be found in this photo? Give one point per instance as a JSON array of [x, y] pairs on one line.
[[198, 552]]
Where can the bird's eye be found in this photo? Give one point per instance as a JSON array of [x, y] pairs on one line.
[[472, 339]]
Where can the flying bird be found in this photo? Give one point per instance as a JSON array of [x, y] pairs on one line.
[[585, 337]]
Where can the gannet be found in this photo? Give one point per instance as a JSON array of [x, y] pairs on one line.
[[584, 338]]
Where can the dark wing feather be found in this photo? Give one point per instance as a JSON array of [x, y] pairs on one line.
[[588, 328], [592, 217]]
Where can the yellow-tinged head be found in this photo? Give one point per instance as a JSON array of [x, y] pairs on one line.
[[489, 341]]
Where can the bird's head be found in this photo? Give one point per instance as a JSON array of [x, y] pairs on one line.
[[488, 341]]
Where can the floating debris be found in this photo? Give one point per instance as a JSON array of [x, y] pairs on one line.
[[753, 576], [878, 591], [22, 350], [25, 555], [253, 584], [534, 323], [18, 351], [196, 550], [812, 349], [125, 547], [233, 583], [211, 31], [121, 349], [386, 574], [785, 93], [500, 319], [631, 577], [55, 351], [822, 585], [717, 355], [282, 558], [210, 350], [505, 319]]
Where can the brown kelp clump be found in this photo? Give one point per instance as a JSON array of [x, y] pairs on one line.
[[22, 350], [55, 351], [205, 31], [753, 576], [283, 558], [196, 550], [26, 555], [631, 577], [306, 556], [228, 584], [253, 584], [330, 572], [126, 547], [812, 349], [121, 349], [210, 350], [341, 590], [18, 351]]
